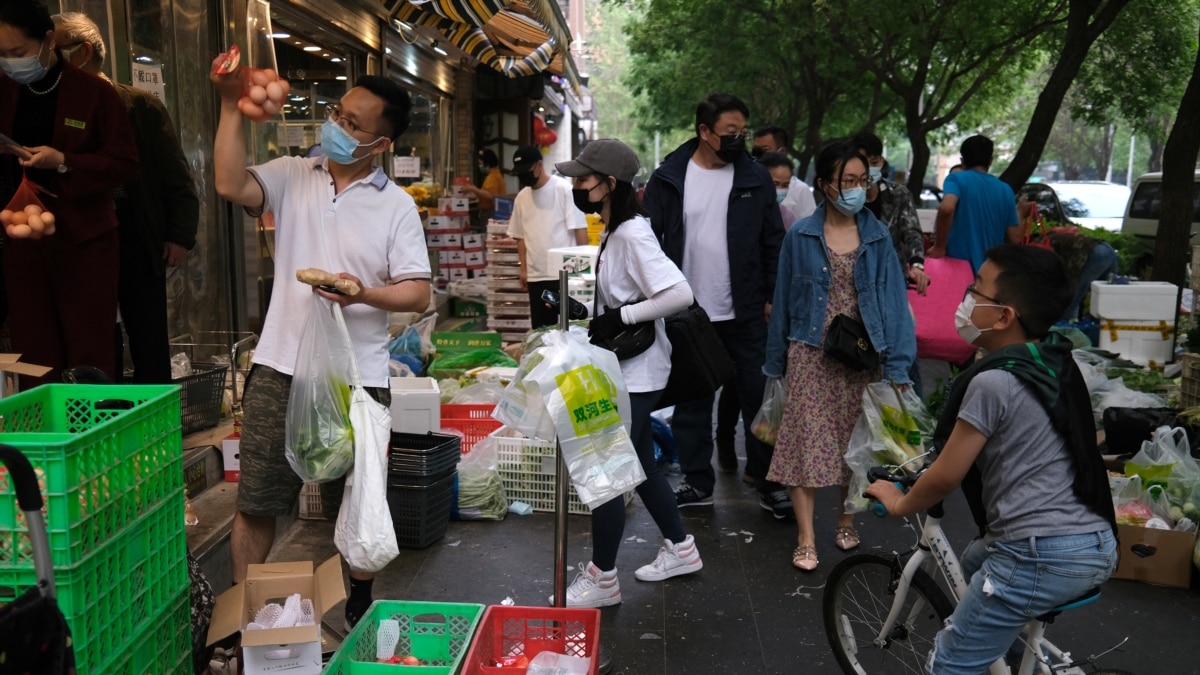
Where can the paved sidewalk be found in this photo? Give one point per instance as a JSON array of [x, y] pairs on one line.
[[748, 610]]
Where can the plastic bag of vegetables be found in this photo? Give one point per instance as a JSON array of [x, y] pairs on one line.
[[892, 430], [480, 491], [319, 441], [770, 415]]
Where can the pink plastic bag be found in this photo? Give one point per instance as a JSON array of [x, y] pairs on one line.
[[934, 311]]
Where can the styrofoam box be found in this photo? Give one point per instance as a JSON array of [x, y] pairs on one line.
[[1143, 342], [575, 259], [416, 405], [1138, 300], [454, 205], [447, 223], [474, 241]]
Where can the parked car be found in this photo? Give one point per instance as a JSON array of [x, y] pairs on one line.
[[1145, 208], [1093, 204]]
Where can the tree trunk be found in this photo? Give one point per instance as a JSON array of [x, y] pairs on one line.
[[1178, 185], [920, 160], [1076, 43]]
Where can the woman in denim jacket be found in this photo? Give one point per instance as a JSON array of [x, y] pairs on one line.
[[839, 260]]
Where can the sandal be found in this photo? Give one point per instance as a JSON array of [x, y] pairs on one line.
[[846, 537], [805, 557]]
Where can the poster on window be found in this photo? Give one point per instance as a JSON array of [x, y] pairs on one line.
[[149, 77], [406, 167]]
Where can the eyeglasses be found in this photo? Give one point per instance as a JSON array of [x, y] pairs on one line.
[[972, 291], [333, 112], [851, 182]]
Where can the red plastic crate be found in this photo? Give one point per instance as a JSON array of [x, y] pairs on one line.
[[472, 430], [528, 631]]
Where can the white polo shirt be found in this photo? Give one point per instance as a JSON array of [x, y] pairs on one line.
[[545, 218], [371, 230], [633, 268]]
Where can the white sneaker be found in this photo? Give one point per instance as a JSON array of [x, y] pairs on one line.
[[673, 560], [593, 588]]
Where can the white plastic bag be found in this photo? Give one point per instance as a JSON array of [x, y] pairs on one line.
[[364, 533], [319, 442], [584, 396], [770, 416], [893, 430], [553, 663]]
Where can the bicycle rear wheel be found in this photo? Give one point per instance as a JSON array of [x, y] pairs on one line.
[[858, 596]]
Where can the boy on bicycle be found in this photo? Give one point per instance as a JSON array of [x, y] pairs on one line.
[[1018, 435]]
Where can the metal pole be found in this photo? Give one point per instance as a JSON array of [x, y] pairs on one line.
[[560, 483]]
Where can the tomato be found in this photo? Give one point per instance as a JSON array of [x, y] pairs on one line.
[[410, 661]]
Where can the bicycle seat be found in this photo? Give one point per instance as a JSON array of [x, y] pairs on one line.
[[1087, 598]]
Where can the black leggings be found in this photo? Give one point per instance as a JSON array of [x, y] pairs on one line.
[[608, 520]]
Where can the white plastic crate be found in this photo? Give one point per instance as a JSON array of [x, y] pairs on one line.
[[528, 468], [1145, 342], [1136, 301], [310, 502]]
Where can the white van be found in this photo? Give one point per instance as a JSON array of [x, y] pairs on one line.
[[1145, 208]]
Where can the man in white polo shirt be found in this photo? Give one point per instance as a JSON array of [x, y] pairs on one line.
[[544, 217], [339, 213]]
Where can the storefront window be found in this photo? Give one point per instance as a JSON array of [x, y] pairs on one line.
[[319, 76]]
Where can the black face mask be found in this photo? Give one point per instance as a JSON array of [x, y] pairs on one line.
[[583, 201], [732, 147], [757, 152], [526, 179]]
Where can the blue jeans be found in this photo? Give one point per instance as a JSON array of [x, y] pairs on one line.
[[745, 342], [1101, 262], [1011, 583]]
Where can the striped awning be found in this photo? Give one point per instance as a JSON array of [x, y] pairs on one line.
[[514, 37]]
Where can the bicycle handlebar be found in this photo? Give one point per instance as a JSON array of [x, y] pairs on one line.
[[902, 480]]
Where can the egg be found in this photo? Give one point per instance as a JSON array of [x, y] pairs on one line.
[[261, 77], [49, 229], [270, 107], [37, 224], [21, 231], [275, 93], [258, 94], [283, 84], [47, 218], [20, 218], [250, 109], [5, 217], [33, 210], [270, 75], [34, 234]]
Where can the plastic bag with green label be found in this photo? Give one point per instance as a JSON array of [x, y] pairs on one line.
[[893, 430], [319, 440], [585, 399], [1165, 457]]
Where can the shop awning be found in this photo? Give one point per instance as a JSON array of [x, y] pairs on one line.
[[514, 37]]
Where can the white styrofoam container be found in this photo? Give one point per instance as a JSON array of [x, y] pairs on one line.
[[1144, 342], [575, 259], [416, 405], [1138, 300]]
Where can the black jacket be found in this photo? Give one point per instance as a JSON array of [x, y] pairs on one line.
[[754, 227]]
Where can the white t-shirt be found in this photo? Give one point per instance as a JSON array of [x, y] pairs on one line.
[[545, 218], [371, 230], [799, 200], [633, 268], [706, 243]]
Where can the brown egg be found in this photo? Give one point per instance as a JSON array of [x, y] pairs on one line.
[[5, 217], [49, 228], [21, 231], [47, 218], [20, 218], [37, 224], [33, 210]]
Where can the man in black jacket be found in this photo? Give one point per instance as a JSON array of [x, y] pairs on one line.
[[714, 211], [159, 210]]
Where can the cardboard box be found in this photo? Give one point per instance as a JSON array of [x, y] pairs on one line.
[[446, 223], [451, 205], [230, 447], [296, 651], [575, 260], [456, 258], [474, 241], [458, 274], [11, 367], [1159, 557], [436, 241], [475, 260], [1143, 342], [416, 405], [1138, 300]]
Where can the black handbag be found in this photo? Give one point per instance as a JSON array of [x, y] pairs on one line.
[[700, 365], [847, 341]]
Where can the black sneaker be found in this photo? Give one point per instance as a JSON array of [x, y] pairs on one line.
[[727, 459], [355, 609], [686, 495], [778, 503]]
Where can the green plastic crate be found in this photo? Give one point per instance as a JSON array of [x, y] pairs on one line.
[[122, 588], [100, 467], [437, 633], [162, 647]]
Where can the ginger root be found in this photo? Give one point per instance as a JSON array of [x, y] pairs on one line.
[[316, 277]]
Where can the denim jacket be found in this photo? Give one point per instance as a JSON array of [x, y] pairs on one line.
[[802, 292]]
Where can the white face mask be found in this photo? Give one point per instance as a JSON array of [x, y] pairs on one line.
[[967, 329]]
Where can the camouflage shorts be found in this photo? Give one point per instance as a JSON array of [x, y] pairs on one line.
[[268, 485]]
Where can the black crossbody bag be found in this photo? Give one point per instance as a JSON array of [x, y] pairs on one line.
[[847, 341]]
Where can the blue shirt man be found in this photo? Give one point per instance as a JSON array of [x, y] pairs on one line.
[[978, 211]]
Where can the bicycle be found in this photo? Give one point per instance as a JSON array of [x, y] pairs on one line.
[[871, 634]]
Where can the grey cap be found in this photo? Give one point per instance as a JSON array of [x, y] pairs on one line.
[[606, 156]]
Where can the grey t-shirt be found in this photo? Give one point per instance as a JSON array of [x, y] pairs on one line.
[[1026, 466]]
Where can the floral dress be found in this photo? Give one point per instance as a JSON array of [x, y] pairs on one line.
[[824, 398]]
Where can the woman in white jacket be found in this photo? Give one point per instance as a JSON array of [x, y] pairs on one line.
[[635, 282]]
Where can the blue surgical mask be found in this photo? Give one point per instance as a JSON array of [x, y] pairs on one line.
[[780, 195], [876, 173], [338, 145], [851, 201], [25, 70]]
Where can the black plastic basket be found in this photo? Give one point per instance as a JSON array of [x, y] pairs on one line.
[[423, 455], [200, 396], [421, 514], [403, 480]]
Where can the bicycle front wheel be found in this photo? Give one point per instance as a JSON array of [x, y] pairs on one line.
[[859, 593]]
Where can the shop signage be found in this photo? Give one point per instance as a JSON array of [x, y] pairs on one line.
[[150, 78], [406, 167]]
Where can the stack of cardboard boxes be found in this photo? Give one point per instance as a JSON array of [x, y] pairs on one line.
[[508, 303], [459, 251]]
